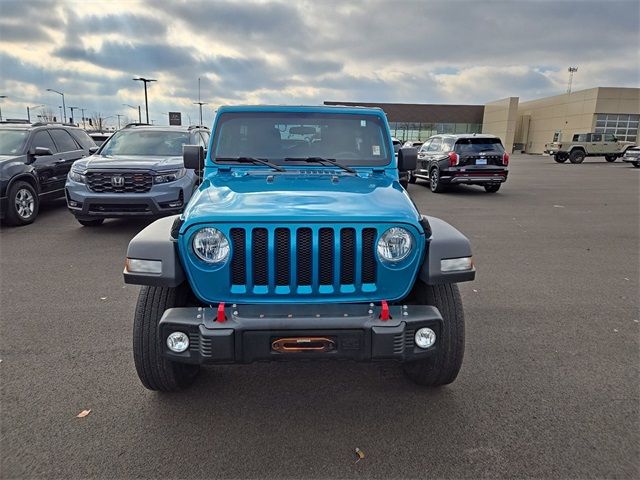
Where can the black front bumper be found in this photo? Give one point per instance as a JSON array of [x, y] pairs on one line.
[[248, 332]]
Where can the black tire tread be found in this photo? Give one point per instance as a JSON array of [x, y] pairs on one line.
[[12, 217], [443, 368], [156, 372]]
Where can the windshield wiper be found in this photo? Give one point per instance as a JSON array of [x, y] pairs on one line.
[[321, 160], [250, 160]]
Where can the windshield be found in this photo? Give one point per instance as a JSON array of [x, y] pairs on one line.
[[12, 142], [146, 142], [475, 145], [274, 136]]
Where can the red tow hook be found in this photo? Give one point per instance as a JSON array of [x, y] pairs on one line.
[[384, 313], [221, 315]]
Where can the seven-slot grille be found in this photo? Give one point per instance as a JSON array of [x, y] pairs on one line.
[[284, 258], [119, 182]]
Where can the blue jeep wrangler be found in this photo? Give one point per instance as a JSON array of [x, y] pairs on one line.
[[299, 243]]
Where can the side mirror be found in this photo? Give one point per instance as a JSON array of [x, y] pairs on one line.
[[41, 151], [193, 157], [93, 150], [407, 159]]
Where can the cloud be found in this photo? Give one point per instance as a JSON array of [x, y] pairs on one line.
[[276, 51]]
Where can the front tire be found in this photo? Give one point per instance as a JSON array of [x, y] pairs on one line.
[[610, 158], [636, 164], [155, 371], [560, 158], [577, 156], [23, 204], [492, 188], [443, 366], [434, 181]]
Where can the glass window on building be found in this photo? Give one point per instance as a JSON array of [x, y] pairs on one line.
[[623, 126], [405, 131]]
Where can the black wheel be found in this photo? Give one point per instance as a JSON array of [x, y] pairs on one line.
[[434, 181], [412, 178], [610, 158], [95, 222], [22, 204], [636, 164], [577, 156], [443, 366], [560, 158], [492, 188], [155, 371]]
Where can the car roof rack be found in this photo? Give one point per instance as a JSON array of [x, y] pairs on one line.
[[41, 124], [198, 126], [21, 121], [137, 124]]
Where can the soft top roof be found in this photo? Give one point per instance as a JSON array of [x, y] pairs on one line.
[[303, 108]]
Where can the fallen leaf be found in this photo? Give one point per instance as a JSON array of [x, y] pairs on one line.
[[360, 454], [83, 413], [476, 291], [615, 330], [103, 298]]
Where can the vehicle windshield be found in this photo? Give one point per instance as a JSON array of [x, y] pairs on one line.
[[146, 142], [351, 139], [476, 145], [12, 142]]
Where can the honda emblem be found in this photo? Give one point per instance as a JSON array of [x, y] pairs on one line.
[[117, 181]]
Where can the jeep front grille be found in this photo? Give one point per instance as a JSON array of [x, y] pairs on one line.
[[119, 182], [283, 259]]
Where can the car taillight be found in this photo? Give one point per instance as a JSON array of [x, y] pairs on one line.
[[505, 159], [453, 159]]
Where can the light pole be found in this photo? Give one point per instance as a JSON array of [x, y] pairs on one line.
[[118, 115], [139, 113], [1, 96], [571, 71], [146, 102], [64, 108], [82, 111], [61, 117], [29, 111], [199, 102], [72, 109]]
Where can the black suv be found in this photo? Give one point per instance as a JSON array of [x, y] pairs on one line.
[[35, 159], [471, 159]]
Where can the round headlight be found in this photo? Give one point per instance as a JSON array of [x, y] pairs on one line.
[[211, 245], [395, 244], [177, 342]]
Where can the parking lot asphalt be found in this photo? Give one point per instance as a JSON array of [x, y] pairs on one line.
[[549, 385]]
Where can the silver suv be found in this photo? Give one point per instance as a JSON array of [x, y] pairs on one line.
[[137, 172]]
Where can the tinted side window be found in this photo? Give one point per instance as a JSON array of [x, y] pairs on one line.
[[608, 137], [596, 137], [425, 146], [43, 139], [83, 138], [435, 145], [447, 145], [63, 140]]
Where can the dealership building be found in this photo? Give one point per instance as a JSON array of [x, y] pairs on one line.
[[522, 126]]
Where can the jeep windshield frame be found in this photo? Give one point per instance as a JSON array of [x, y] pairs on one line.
[[356, 140]]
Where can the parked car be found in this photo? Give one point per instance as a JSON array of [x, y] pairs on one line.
[[470, 159], [632, 156], [34, 161], [584, 145], [99, 137], [138, 171], [311, 252], [413, 143]]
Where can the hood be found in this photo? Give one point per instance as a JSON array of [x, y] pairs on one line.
[[300, 197], [128, 162], [11, 158]]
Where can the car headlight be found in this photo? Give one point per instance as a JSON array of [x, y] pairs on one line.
[[172, 176], [77, 176], [211, 245], [395, 244]]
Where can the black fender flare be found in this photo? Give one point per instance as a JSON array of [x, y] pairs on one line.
[[444, 242], [157, 242]]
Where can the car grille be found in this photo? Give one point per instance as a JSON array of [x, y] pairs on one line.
[[304, 259], [119, 182]]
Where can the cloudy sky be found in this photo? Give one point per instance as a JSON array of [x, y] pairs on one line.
[[307, 51]]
